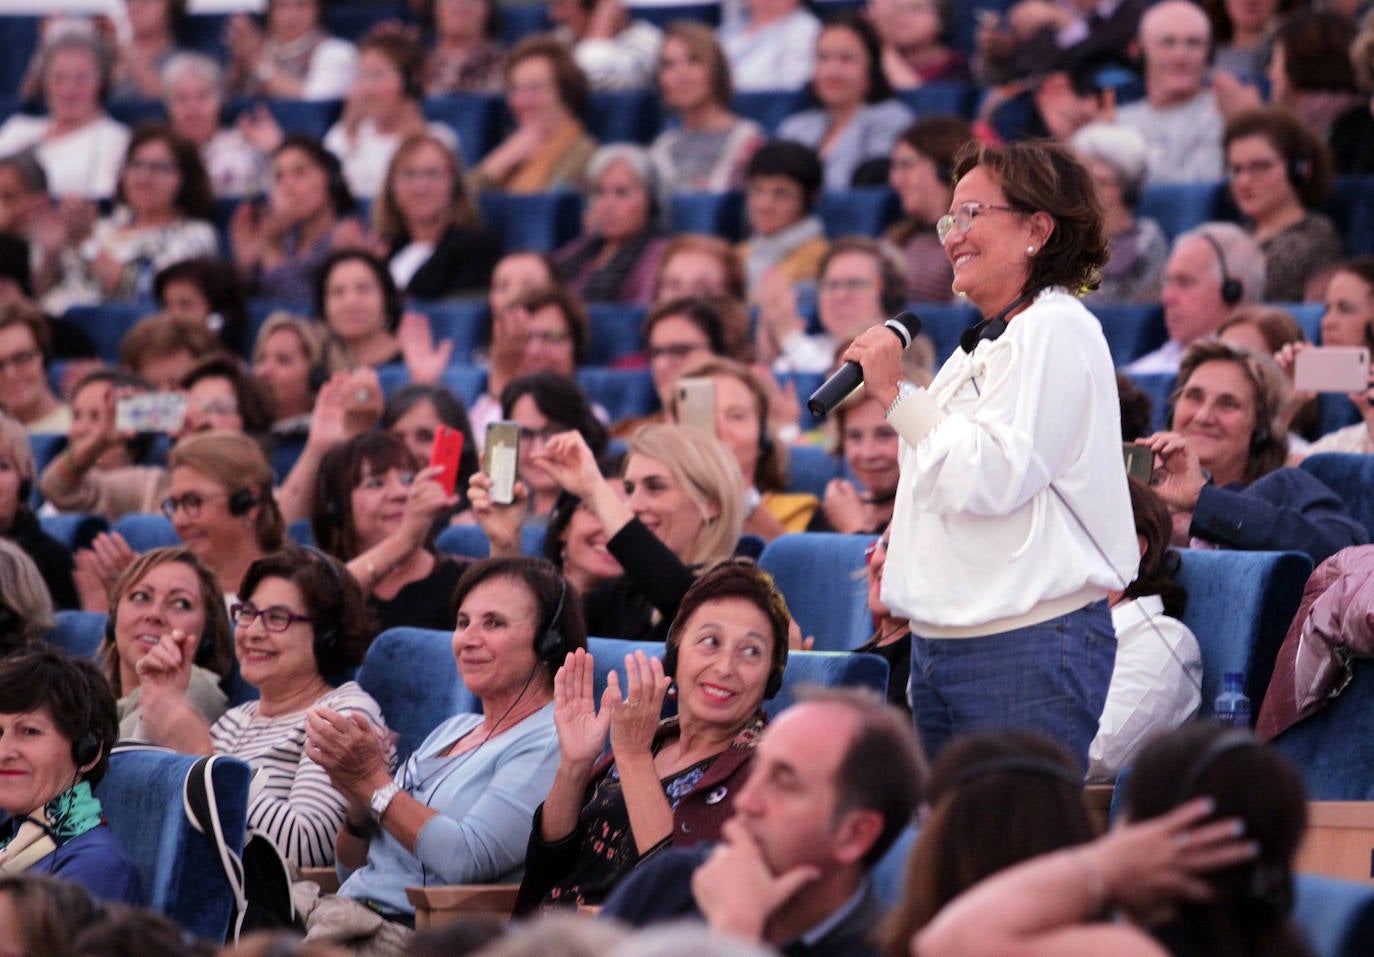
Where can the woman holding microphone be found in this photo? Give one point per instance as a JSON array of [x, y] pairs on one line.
[[1012, 519]]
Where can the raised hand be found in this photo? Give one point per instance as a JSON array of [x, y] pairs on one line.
[[571, 463], [349, 749], [167, 665], [425, 501], [424, 360], [635, 720], [1179, 478], [844, 509], [502, 523], [582, 729]]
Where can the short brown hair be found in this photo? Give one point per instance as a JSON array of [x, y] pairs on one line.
[[1268, 441], [163, 335], [1043, 176], [573, 88], [73, 692], [238, 463], [700, 40], [1317, 52], [387, 220], [1306, 159], [892, 291], [574, 313], [195, 199], [742, 579], [736, 284]]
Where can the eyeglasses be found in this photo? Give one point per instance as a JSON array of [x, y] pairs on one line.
[[845, 285], [189, 503], [423, 174], [678, 350], [1252, 168], [150, 166], [275, 618], [542, 436], [19, 360], [548, 337], [962, 218]]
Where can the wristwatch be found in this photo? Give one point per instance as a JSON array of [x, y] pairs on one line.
[[381, 799]]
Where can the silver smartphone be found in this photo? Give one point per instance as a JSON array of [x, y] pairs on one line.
[[696, 403], [501, 460]]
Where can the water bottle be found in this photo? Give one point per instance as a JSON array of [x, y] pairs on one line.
[[1232, 706]]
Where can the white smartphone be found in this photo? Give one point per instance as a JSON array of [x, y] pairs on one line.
[[1332, 369]]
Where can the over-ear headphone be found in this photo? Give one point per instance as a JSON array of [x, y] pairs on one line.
[[241, 501], [549, 646], [1231, 288], [1298, 172], [327, 639], [770, 688], [86, 747], [1020, 763]]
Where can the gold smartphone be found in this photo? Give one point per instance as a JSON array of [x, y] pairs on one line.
[[696, 403], [1140, 462], [501, 460]]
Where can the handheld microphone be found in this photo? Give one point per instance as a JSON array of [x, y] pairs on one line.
[[850, 376]]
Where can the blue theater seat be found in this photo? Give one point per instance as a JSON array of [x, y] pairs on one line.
[[535, 221], [624, 116], [132, 113], [46, 446], [821, 574], [1335, 917], [944, 323], [17, 34], [146, 531], [623, 393], [466, 382], [1178, 207], [615, 332], [412, 675], [108, 323], [862, 211], [469, 541], [714, 214], [78, 633], [519, 20], [1132, 329], [827, 669], [1334, 748], [474, 117], [462, 321], [1349, 476], [769, 108], [810, 468], [1352, 206], [351, 21], [73, 529], [949, 98]]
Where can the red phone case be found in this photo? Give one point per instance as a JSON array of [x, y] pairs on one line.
[[448, 448]]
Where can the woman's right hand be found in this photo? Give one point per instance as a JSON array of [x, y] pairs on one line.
[[246, 238], [502, 523], [424, 360], [425, 502], [582, 729], [568, 459], [844, 509], [166, 668]]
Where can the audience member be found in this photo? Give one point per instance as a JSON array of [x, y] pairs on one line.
[[57, 726], [1244, 33], [915, 47], [891, 638], [26, 612], [1212, 269], [1278, 173], [575, 543], [837, 778], [308, 214], [381, 108], [614, 49], [1190, 873], [771, 46], [163, 212], [135, 932], [221, 395], [1266, 330], [546, 92], [661, 783], [870, 449], [1310, 69], [375, 509], [294, 58], [428, 225], [1221, 467], [1157, 677], [39, 914], [617, 256], [414, 413], [1352, 133], [995, 799], [302, 617], [1347, 321], [922, 159], [544, 404], [206, 289], [76, 141], [1073, 37], [288, 357], [1178, 116], [167, 591], [1116, 157], [694, 264], [466, 55], [781, 189], [361, 307], [708, 149], [856, 119], [161, 349], [18, 523], [676, 332], [193, 94], [459, 809], [25, 347]]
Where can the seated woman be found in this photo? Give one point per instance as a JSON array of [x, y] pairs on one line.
[[293, 58], [193, 94], [414, 413], [25, 348], [1116, 156], [770, 45], [161, 349], [744, 426], [279, 247], [707, 151], [922, 159], [1310, 69], [694, 264], [77, 143], [1187, 872], [361, 307], [162, 217], [382, 108], [459, 809], [466, 55], [302, 617], [575, 543], [1267, 330], [891, 638], [429, 225], [1279, 173], [856, 119], [1157, 678], [45, 912], [546, 92], [152, 39], [287, 357], [782, 184], [993, 800], [206, 289], [543, 404], [669, 783], [913, 34], [26, 609], [616, 258], [869, 447], [20, 525], [167, 591], [58, 725], [1220, 468], [374, 511], [680, 508]]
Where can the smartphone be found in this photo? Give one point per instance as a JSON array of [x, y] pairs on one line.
[[150, 412], [448, 448], [1140, 462], [501, 459], [696, 403], [1332, 369]]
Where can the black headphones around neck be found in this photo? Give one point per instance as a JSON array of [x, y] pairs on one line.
[[990, 330], [1231, 288]]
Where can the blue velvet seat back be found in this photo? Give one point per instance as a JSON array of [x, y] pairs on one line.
[[889, 874], [470, 541], [412, 675], [822, 576], [141, 797], [78, 633], [1239, 607], [145, 531], [1334, 748], [1349, 476], [1335, 917], [74, 529], [827, 669]]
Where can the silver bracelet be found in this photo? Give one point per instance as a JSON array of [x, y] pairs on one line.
[[901, 394]]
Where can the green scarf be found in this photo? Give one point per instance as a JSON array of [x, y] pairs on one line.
[[67, 816]]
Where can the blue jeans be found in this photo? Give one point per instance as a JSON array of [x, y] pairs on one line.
[[1050, 678]]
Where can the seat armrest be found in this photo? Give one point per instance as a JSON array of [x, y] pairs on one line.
[[443, 903]]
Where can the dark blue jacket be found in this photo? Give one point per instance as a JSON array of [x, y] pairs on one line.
[[98, 862], [1286, 510]]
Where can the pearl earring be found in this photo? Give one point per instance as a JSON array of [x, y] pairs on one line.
[[1030, 250]]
